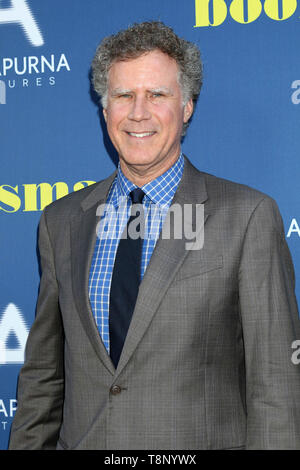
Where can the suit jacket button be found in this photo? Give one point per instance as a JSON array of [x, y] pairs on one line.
[[115, 389]]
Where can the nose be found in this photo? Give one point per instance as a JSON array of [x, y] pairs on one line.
[[139, 109]]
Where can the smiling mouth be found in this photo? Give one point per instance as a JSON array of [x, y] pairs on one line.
[[141, 135]]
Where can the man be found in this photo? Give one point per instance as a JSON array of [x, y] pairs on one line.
[[164, 345]]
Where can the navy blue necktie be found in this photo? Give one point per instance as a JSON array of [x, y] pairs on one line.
[[126, 279]]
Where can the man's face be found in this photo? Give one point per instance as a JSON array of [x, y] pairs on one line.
[[145, 114]]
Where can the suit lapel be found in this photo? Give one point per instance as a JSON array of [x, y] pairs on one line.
[[165, 261], [83, 237]]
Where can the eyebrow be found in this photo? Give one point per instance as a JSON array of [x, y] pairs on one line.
[[120, 91], [166, 90]]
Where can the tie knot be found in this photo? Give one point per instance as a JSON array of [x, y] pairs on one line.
[[137, 196]]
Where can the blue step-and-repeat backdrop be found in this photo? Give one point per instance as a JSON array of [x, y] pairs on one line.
[[52, 138]]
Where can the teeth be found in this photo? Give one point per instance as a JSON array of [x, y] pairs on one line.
[[144, 134]]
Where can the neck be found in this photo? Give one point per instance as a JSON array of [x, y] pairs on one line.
[[142, 174]]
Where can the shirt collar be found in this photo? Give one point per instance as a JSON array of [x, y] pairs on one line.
[[160, 191]]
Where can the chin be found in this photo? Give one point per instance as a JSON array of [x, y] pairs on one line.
[[138, 160]]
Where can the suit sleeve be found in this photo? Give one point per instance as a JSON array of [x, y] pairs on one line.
[[41, 381], [270, 323]]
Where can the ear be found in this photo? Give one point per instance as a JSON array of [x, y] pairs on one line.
[[188, 110], [105, 114]]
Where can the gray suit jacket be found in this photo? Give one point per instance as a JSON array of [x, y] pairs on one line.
[[207, 359]]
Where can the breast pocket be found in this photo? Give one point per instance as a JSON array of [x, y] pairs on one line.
[[197, 266]]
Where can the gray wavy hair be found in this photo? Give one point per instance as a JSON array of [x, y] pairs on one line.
[[139, 39]]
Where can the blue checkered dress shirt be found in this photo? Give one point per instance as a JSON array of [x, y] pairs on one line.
[[158, 197]]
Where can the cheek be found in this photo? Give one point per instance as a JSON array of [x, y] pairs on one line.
[[171, 117], [115, 115]]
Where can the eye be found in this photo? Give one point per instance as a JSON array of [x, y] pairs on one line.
[[157, 95], [124, 95]]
